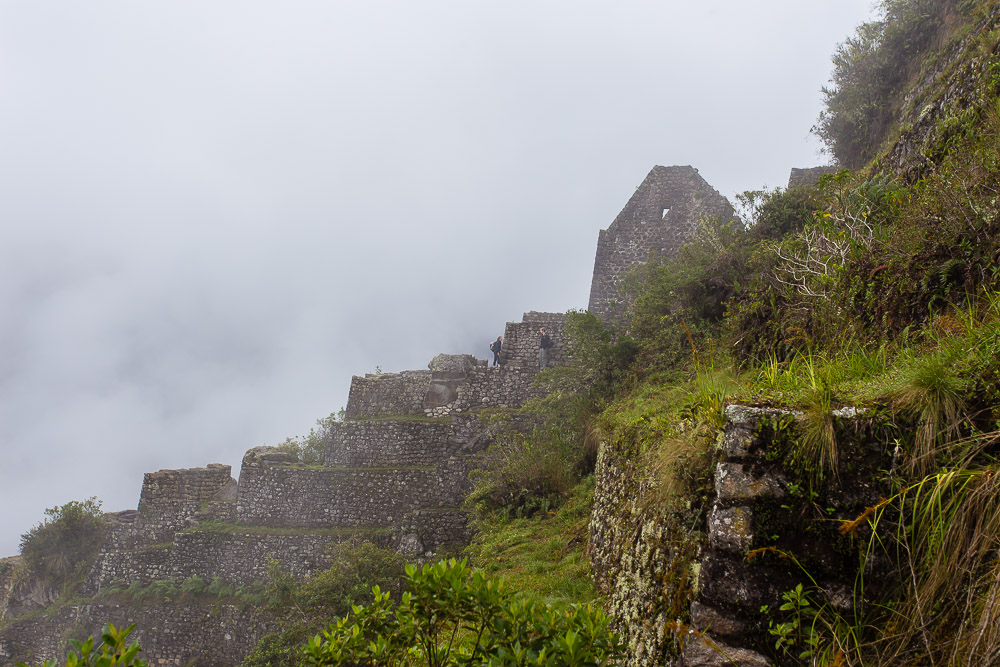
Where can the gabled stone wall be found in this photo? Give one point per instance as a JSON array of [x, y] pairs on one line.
[[798, 178], [660, 216]]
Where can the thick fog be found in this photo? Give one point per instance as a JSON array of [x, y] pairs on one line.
[[213, 214]]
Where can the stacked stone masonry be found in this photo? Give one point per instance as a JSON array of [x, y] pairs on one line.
[[377, 395], [455, 384], [294, 495], [641, 562], [389, 443], [798, 178], [663, 213], [521, 340], [751, 511], [206, 635]]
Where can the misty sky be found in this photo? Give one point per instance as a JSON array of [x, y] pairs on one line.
[[212, 214]]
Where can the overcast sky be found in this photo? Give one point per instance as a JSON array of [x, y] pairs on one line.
[[213, 214]]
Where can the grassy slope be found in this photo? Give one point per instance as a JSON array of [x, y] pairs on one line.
[[544, 555]]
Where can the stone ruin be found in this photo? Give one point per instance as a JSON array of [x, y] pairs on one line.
[[395, 473], [798, 178], [662, 214]]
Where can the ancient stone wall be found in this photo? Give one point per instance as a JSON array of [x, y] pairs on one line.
[[634, 553], [423, 533], [377, 395], [660, 216], [241, 556], [295, 495], [520, 340], [798, 178], [388, 443], [499, 388], [207, 635], [169, 498], [137, 547], [648, 567], [127, 563]]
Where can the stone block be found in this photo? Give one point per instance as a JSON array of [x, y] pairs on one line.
[[743, 424], [705, 618], [730, 528], [451, 365], [703, 651], [744, 481], [735, 584]]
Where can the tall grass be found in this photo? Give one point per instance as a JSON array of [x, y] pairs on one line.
[[946, 532]]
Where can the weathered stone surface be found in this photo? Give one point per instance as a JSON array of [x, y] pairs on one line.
[[742, 481], [961, 79], [705, 618], [702, 651], [730, 528], [458, 383], [218, 635], [809, 176], [660, 216], [731, 582], [384, 443], [743, 424], [520, 341], [377, 395], [452, 364], [287, 495]]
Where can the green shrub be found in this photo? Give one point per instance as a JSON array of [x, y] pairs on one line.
[[112, 651], [65, 544], [520, 474], [308, 606], [452, 615], [310, 449]]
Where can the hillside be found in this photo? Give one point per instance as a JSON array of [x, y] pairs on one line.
[[771, 439]]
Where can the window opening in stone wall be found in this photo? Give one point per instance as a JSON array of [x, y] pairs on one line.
[[665, 211]]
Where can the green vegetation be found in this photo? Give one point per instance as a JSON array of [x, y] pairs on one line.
[[305, 607], [876, 67], [59, 550], [542, 556], [452, 615], [310, 449]]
